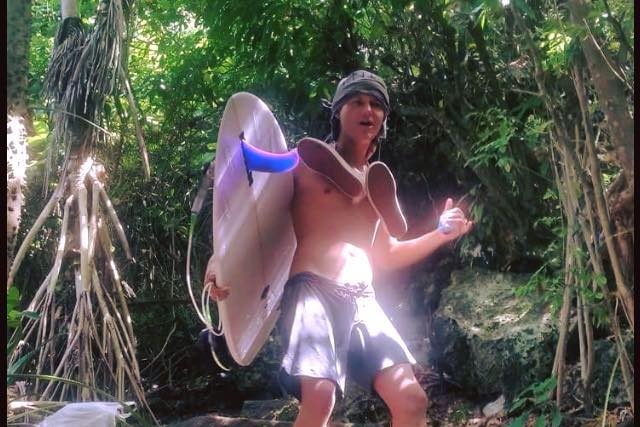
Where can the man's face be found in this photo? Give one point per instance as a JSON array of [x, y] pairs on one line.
[[361, 118]]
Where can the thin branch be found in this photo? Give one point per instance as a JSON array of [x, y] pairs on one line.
[[161, 352], [136, 121], [33, 231], [116, 222], [585, 328], [559, 362], [84, 238], [75, 116], [105, 243], [72, 340], [526, 92], [93, 221]]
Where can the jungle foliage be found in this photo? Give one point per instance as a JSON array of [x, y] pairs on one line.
[[500, 105]]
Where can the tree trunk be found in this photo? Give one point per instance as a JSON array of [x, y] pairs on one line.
[[18, 117], [16, 177], [613, 96], [18, 35], [611, 92]]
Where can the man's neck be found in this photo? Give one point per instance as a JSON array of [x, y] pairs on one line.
[[354, 153]]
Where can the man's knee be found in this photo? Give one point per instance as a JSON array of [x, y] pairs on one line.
[[409, 401]]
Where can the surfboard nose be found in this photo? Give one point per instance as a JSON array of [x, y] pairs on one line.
[[259, 160]]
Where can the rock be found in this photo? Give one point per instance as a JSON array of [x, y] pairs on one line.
[[605, 355], [213, 420], [360, 407], [494, 408], [489, 340], [275, 409]]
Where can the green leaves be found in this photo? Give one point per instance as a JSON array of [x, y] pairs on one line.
[[14, 330], [545, 285], [13, 314], [535, 401], [495, 130], [557, 46], [13, 298]]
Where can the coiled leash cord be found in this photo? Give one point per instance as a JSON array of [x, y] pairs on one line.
[[203, 310]]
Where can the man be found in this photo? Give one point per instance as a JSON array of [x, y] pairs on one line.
[[345, 213]]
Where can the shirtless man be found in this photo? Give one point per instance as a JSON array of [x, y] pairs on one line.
[[330, 322]]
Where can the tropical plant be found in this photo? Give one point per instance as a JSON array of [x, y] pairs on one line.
[[85, 68], [534, 402]]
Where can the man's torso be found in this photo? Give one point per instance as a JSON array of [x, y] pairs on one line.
[[334, 232]]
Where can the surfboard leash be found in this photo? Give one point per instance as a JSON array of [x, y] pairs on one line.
[[203, 311]]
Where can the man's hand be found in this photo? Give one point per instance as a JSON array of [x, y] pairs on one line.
[[216, 293], [453, 222]]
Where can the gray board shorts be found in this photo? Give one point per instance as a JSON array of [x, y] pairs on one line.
[[327, 329]]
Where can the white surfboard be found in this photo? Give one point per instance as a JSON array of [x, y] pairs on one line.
[[253, 236]]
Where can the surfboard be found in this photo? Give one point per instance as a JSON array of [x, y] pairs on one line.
[[253, 236]]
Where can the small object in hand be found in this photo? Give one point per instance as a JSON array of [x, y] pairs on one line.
[[444, 227]]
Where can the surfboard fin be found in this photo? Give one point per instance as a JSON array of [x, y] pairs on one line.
[[259, 160]]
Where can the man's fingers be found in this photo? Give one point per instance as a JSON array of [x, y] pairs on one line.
[[215, 292], [448, 204], [460, 225], [453, 213], [218, 293], [457, 222]]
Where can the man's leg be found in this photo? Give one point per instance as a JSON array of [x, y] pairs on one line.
[[318, 399], [404, 396]]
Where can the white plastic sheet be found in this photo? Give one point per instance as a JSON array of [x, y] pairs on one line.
[[85, 414]]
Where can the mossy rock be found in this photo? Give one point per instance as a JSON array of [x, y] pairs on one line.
[[605, 355], [489, 340]]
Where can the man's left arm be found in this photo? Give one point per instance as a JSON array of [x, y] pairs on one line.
[[390, 253]]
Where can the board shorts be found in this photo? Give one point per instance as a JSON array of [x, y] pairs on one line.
[[328, 329]]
